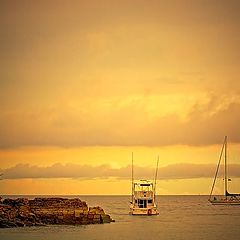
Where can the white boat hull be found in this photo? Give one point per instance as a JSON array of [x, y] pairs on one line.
[[144, 211]]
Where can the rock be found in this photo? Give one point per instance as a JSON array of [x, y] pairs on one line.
[[16, 202], [4, 223], [106, 218], [96, 210], [40, 225], [22, 212], [19, 224]]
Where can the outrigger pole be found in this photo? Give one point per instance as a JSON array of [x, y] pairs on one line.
[[155, 180], [225, 171], [132, 179]]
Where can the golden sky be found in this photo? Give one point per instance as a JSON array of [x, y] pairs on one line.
[[83, 84]]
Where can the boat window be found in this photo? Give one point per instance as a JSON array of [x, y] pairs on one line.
[[150, 201], [142, 203], [135, 201]]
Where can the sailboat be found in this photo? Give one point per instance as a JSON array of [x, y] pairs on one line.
[[229, 198], [144, 196]]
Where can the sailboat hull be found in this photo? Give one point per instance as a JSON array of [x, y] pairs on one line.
[[225, 202]]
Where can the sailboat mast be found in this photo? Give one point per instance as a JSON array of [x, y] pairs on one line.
[[216, 173], [225, 167], [132, 179]]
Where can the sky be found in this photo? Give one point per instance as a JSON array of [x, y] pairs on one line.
[[83, 84]]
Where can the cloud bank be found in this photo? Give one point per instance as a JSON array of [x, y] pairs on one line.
[[122, 73], [174, 171], [121, 124]]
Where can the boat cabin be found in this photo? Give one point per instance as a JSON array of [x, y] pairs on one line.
[[143, 198]]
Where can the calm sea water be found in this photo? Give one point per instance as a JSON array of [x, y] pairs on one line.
[[181, 217]]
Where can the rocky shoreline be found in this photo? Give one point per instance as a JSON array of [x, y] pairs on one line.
[[23, 212]]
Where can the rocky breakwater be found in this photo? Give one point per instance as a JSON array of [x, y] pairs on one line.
[[22, 212]]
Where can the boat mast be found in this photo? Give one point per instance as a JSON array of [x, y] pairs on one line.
[[225, 167], [155, 180], [219, 161], [132, 179]]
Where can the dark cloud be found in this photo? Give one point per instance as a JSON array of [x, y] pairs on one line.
[[174, 171]]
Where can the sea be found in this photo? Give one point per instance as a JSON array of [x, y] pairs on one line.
[[181, 217]]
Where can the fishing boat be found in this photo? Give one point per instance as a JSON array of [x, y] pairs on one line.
[[228, 198], [144, 196]]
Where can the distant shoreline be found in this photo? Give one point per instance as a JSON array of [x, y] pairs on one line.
[[93, 195]]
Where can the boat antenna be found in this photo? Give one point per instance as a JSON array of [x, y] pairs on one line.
[[219, 161], [155, 180], [225, 167], [132, 179]]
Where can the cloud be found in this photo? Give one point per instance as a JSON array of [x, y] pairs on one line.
[[90, 75], [174, 171], [122, 122]]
